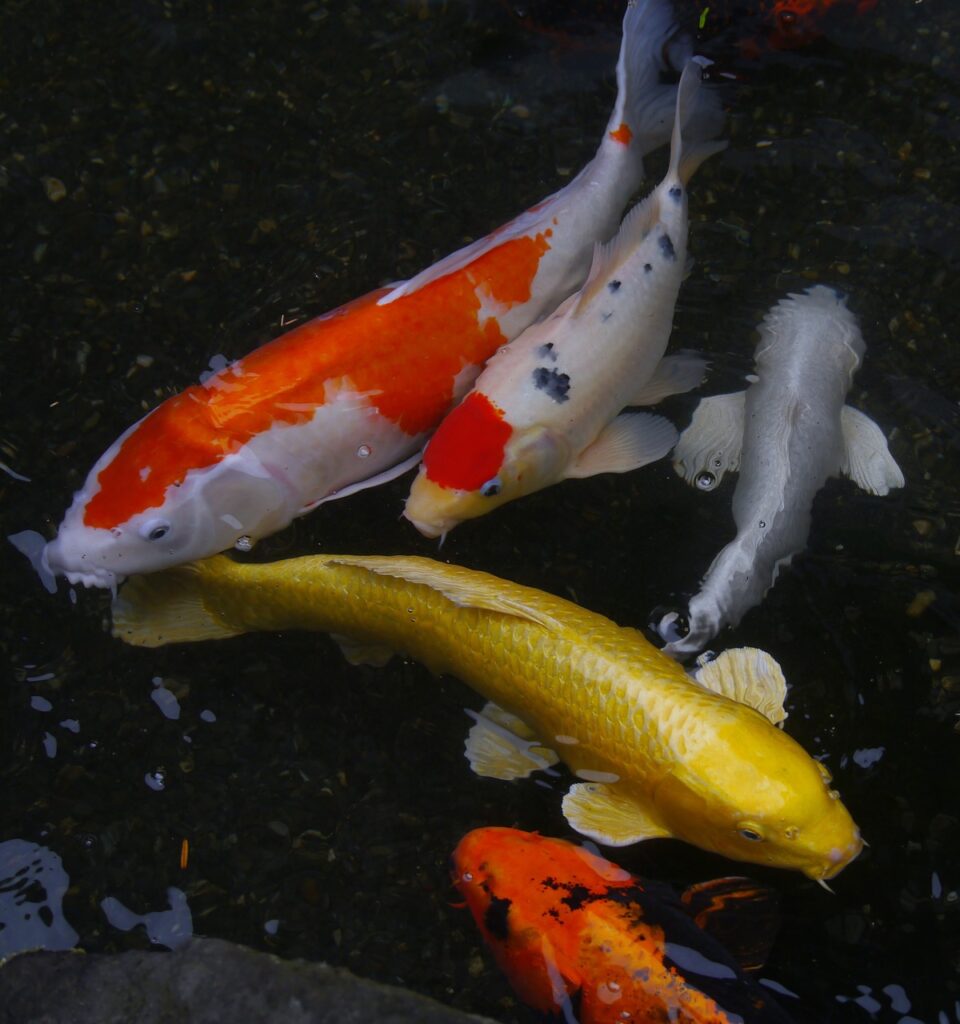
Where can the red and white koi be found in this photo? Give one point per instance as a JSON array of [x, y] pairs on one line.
[[347, 400], [546, 407]]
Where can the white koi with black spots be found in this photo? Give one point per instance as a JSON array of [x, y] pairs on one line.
[[547, 407]]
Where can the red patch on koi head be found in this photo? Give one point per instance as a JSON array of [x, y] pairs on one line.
[[623, 135], [467, 449]]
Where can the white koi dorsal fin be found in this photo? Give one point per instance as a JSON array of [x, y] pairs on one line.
[[609, 815], [362, 652], [674, 375], [711, 445], [502, 746], [632, 440], [607, 256], [521, 225], [749, 676], [866, 457], [464, 589]]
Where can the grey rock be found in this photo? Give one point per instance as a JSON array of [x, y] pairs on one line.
[[205, 982]]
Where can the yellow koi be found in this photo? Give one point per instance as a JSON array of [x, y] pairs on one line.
[[656, 752]]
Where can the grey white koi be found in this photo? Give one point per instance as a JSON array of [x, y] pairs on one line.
[[786, 434]]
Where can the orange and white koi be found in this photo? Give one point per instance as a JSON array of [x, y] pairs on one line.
[[347, 400], [546, 406], [583, 940]]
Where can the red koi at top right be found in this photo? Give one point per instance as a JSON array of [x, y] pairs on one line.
[[347, 400]]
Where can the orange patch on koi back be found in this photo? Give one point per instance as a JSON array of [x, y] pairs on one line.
[[623, 135], [467, 449], [403, 356]]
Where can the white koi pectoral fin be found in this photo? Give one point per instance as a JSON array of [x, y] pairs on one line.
[[502, 746], [466, 589], [674, 375], [362, 652], [167, 608], [711, 445], [608, 815], [749, 676], [866, 457], [361, 485], [632, 440]]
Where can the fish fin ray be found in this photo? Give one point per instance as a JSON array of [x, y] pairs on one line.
[[466, 590], [608, 815], [715, 435], [632, 440], [361, 485], [740, 913], [866, 457], [688, 148], [362, 652], [167, 608], [674, 375], [749, 676], [502, 746]]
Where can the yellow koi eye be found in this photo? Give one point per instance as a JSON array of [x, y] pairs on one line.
[[747, 830]]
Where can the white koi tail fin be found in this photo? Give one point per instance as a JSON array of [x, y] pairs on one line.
[[167, 608], [688, 145], [653, 43]]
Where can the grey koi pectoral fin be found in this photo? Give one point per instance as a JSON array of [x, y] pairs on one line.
[[711, 445], [674, 375], [502, 746], [609, 815], [632, 440], [866, 457]]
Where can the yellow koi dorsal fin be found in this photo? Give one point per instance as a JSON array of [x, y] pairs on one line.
[[466, 589], [608, 815], [501, 746], [749, 676], [362, 652]]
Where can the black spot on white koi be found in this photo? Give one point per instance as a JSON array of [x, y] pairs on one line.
[[495, 919], [614, 286], [555, 384], [647, 268], [666, 247], [604, 317], [545, 351], [675, 193]]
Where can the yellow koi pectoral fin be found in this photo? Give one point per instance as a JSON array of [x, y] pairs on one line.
[[168, 608], [866, 457], [749, 676], [465, 588], [501, 746], [362, 652], [674, 375], [711, 445], [608, 815], [632, 440]]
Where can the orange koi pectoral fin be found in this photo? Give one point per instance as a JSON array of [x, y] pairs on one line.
[[740, 914]]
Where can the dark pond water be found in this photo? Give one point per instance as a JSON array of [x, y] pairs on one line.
[[180, 180]]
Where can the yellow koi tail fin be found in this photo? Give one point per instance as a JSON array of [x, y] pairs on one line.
[[168, 608]]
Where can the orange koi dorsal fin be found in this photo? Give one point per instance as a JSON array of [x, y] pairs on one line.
[[467, 450], [740, 914]]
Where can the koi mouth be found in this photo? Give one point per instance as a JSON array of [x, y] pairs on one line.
[[839, 858]]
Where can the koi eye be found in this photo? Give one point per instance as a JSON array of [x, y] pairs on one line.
[[155, 529], [491, 488], [751, 834]]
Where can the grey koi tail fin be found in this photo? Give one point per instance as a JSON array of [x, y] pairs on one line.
[[654, 44]]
